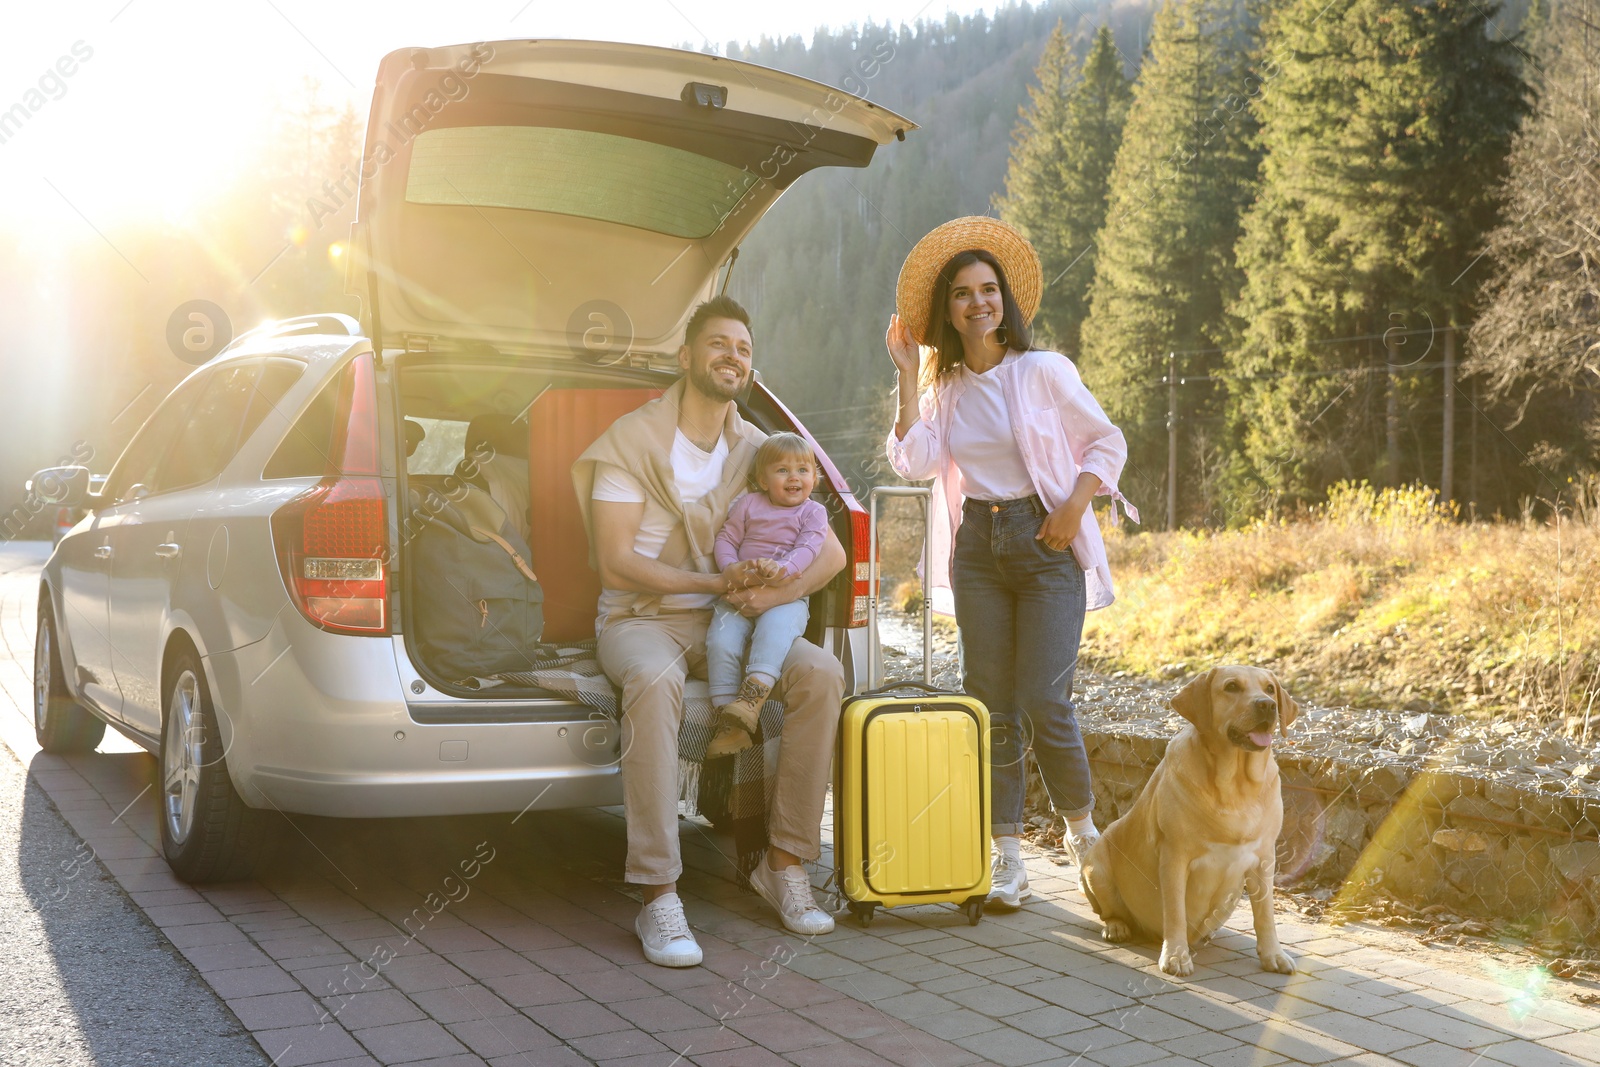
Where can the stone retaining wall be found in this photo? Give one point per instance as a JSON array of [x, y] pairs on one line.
[[1483, 846]]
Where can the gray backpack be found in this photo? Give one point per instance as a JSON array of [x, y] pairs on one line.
[[477, 608]]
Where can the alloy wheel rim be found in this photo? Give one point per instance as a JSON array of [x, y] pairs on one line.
[[181, 757], [41, 678]]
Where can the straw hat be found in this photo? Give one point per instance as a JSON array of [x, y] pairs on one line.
[[1016, 257]]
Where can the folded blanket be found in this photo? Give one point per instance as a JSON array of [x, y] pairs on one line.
[[573, 673]]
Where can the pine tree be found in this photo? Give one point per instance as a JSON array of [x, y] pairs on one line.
[[1061, 156], [1165, 270], [1385, 141], [1537, 340]]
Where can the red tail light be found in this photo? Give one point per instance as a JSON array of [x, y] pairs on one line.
[[860, 566], [332, 540]]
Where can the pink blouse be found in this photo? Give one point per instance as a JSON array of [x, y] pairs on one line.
[[1060, 432]]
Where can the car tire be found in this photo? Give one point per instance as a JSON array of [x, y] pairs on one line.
[[60, 724], [208, 833]]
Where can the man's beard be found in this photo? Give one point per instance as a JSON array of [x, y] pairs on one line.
[[708, 385]]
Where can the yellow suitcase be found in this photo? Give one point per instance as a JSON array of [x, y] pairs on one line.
[[911, 800], [911, 777]]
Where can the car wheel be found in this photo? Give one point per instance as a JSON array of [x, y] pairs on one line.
[[60, 724], [208, 833]]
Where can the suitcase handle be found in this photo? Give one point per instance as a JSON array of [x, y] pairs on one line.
[[905, 683], [875, 681]]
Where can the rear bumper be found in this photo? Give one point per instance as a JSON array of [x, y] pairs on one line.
[[318, 724]]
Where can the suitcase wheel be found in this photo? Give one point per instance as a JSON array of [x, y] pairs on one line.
[[974, 909], [863, 912]]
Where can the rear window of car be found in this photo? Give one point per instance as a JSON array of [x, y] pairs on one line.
[[582, 173]]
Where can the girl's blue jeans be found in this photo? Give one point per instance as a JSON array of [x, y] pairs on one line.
[[1020, 607], [768, 637]]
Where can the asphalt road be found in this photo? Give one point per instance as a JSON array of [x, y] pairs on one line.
[[86, 979]]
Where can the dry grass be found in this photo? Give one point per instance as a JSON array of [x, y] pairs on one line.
[[1377, 599]]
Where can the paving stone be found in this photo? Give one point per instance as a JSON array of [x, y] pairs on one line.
[[1147, 1023], [1362, 1032], [461, 1003], [1008, 1047], [277, 1011], [619, 1045], [532, 990], [913, 1006], [299, 1045], [838, 1055], [1520, 1053], [1294, 1042], [869, 986], [1077, 995], [1585, 1046], [409, 1042], [1129, 1054], [1528, 1022], [1090, 1038], [849, 1019], [997, 1001], [750, 1056], [502, 1035], [381, 1007], [660, 1013], [1200, 1044], [959, 1022], [911, 1048], [781, 1031], [959, 980], [1242, 1056], [251, 982], [576, 1019], [1442, 1024]]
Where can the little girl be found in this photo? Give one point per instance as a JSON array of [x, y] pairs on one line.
[[775, 533]]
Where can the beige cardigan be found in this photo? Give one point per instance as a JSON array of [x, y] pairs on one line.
[[641, 443]]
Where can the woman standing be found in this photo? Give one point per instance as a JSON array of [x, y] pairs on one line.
[[1017, 448]]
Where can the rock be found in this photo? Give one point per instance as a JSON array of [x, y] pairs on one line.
[[1577, 862], [1417, 725], [1460, 840]]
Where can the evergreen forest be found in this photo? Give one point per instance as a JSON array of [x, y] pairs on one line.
[[1289, 243]]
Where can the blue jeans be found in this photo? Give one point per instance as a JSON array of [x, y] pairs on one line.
[[1020, 607], [768, 637]]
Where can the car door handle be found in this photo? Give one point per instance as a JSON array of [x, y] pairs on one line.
[[103, 552], [169, 551]]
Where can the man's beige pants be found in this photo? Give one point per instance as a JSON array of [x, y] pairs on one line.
[[649, 658]]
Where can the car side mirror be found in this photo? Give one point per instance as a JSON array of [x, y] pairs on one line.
[[66, 487]]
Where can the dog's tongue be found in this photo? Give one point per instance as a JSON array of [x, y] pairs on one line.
[[1261, 738]]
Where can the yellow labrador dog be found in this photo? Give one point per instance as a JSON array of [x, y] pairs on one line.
[[1204, 829]]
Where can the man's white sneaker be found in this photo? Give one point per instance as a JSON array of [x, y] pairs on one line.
[[665, 934], [1008, 883], [789, 891], [1080, 844]]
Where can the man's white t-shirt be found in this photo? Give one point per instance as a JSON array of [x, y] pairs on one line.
[[696, 472]]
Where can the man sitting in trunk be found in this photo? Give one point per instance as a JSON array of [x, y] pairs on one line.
[[656, 487]]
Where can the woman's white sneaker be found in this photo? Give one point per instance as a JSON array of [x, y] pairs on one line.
[[789, 891], [664, 931], [1008, 882]]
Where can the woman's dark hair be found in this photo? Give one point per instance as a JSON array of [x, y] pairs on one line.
[[945, 339]]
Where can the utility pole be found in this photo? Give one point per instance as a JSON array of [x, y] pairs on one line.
[[1172, 440], [1392, 412], [1447, 475]]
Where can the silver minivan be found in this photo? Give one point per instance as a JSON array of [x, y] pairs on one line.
[[536, 221]]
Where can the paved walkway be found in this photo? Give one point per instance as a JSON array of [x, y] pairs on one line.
[[509, 941]]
